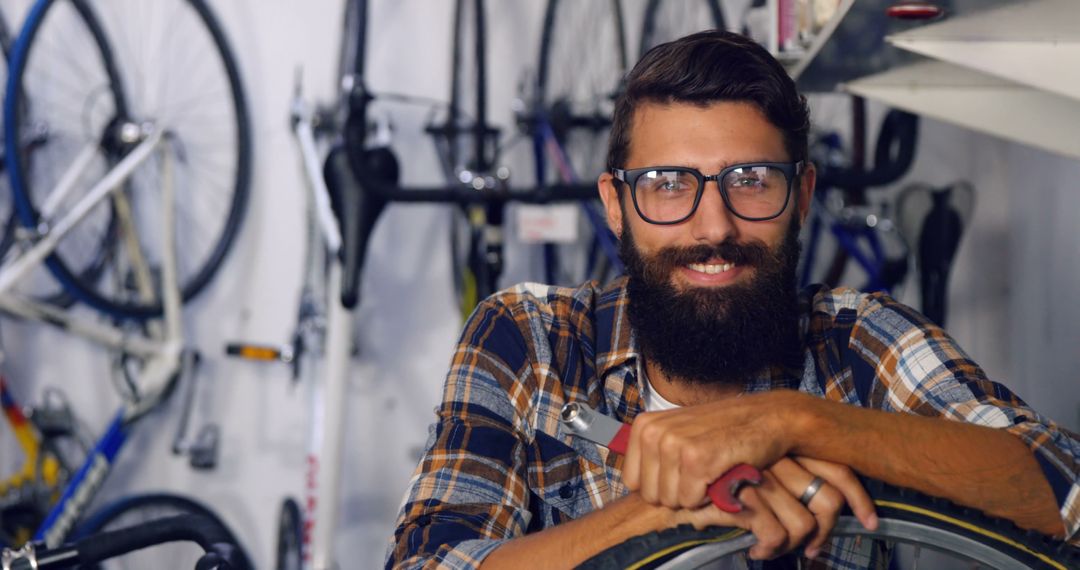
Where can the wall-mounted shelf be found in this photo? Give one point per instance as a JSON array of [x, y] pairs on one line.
[[1036, 43], [978, 101]]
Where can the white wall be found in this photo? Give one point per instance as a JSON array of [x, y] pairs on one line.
[[1021, 251]]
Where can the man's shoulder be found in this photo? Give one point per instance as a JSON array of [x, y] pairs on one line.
[[875, 313], [822, 300], [553, 302]]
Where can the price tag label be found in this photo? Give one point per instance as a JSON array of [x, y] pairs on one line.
[[552, 223]]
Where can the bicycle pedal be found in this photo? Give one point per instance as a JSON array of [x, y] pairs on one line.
[[203, 454], [53, 421]]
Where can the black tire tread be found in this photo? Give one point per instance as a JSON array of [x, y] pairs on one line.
[[100, 519], [683, 538]]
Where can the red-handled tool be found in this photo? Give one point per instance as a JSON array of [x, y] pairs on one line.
[[584, 422]]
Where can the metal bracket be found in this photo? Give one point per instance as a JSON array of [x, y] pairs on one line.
[[8, 557]]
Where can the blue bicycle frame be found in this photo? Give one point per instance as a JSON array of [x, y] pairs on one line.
[[848, 237], [544, 141], [85, 483]]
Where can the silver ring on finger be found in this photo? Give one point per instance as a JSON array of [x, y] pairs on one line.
[[811, 490]]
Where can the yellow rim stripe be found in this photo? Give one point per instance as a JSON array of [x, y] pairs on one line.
[[685, 545], [973, 528], [889, 504]]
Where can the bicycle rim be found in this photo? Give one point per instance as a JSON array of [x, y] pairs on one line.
[[582, 62], [130, 511], [290, 539], [34, 148], [672, 19], [165, 63], [469, 141], [907, 518]]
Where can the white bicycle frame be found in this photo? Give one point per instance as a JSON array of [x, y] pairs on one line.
[[328, 392], [162, 356]]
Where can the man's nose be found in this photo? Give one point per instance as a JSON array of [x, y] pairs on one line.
[[713, 222]]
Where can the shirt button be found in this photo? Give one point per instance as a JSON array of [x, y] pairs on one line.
[[566, 491]]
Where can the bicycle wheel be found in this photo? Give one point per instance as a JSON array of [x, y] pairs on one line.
[[673, 19], [965, 536], [7, 211], [164, 64], [290, 538], [582, 62], [89, 255], [131, 511]]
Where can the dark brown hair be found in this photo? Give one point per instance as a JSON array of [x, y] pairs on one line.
[[704, 68]]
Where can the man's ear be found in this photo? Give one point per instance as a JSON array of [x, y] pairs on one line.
[[807, 184], [609, 195]]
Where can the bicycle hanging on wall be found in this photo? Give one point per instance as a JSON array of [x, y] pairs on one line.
[[103, 128]]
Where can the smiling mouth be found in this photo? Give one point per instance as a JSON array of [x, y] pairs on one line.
[[711, 268]]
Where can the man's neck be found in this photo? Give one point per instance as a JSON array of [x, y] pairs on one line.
[[685, 393]]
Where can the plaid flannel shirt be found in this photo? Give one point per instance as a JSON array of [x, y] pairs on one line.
[[499, 465]]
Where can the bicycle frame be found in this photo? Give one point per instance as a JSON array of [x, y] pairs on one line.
[[48, 237], [327, 398], [162, 356], [848, 238], [546, 143], [36, 465]]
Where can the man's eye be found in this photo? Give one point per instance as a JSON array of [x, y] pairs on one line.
[[749, 181]]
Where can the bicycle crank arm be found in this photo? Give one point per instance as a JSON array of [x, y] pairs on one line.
[[584, 422]]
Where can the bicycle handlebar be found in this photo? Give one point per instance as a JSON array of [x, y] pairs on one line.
[[221, 553], [465, 194], [362, 183]]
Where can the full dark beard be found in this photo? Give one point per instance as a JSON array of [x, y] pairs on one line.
[[723, 335]]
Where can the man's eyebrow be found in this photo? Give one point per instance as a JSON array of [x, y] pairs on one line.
[[722, 166]]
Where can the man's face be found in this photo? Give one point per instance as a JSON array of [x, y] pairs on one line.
[[712, 299]]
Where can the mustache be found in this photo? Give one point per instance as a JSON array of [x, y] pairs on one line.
[[752, 254]]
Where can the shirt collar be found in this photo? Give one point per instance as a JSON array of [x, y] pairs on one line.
[[615, 345]]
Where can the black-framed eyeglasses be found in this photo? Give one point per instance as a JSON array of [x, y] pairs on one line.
[[755, 192]]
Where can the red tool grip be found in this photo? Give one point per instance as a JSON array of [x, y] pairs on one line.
[[723, 491]]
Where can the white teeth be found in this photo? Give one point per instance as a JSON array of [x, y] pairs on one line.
[[711, 269]]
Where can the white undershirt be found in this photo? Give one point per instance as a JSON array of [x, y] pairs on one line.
[[654, 402]]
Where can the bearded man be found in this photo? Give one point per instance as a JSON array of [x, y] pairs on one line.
[[709, 349]]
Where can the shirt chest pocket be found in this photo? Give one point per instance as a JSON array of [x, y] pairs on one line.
[[567, 484]]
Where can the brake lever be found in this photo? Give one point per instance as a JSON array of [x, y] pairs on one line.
[[584, 422]]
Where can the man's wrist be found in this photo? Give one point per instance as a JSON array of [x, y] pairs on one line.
[[803, 423]]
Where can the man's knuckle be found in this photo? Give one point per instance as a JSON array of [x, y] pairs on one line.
[[691, 456], [651, 434], [801, 526], [830, 500], [771, 538]]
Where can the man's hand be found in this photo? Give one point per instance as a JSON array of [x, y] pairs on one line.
[[775, 516], [674, 455]]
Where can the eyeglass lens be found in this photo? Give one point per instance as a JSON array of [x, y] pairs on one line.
[[752, 192]]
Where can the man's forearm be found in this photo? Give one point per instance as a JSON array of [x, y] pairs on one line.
[[574, 542], [976, 466]]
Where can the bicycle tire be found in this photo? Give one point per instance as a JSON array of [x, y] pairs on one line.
[[470, 145], [905, 517], [467, 120], [215, 190], [576, 92], [290, 537], [40, 284], [583, 59], [667, 21], [127, 511]]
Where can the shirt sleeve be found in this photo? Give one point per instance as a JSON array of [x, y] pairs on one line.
[[922, 370], [469, 492]]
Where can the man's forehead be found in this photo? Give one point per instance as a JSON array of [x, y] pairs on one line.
[[728, 131]]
